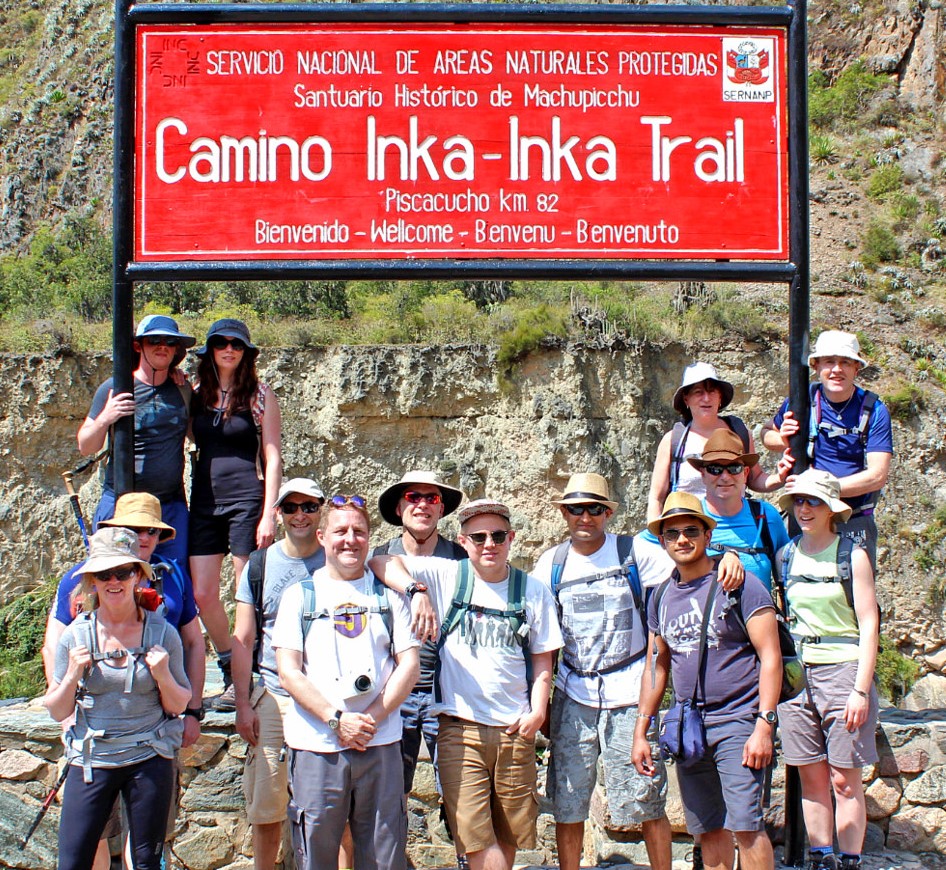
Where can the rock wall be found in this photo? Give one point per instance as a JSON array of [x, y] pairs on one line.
[[356, 418], [906, 801]]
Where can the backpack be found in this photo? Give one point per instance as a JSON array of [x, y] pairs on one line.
[[153, 633], [381, 606], [678, 440], [815, 425], [515, 612], [256, 574], [845, 577], [627, 568]]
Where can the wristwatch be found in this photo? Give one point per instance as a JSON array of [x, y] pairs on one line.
[[415, 587], [335, 721], [769, 716], [196, 712]]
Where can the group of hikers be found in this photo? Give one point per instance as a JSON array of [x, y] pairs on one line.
[[344, 660]]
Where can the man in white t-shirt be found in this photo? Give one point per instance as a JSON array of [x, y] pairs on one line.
[[347, 659], [598, 580], [493, 687]]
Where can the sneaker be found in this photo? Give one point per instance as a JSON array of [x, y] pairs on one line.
[[817, 861], [696, 857], [463, 863], [226, 702]]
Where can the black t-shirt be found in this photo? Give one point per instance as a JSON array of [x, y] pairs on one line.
[[227, 449]]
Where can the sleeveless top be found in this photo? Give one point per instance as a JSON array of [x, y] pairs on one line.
[[227, 451]]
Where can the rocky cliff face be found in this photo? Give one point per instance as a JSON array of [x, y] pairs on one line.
[[356, 418]]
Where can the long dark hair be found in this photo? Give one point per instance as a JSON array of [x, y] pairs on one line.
[[242, 390]]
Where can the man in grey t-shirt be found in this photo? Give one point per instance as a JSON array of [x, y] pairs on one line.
[[260, 708]]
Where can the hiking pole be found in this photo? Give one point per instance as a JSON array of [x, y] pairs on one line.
[[47, 803], [76, 507]]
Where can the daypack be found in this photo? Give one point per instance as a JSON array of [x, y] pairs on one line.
[[845, 576], [627, 568], [381, 606], [678, 440], [256, 574], [515, 613], [153, 633], [815, 424]]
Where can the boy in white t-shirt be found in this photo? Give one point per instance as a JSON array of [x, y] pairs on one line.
[[494, 681]]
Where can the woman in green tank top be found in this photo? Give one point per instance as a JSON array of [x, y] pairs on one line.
[[828, 730]]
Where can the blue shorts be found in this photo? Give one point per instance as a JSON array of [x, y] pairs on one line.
[[719, 791]]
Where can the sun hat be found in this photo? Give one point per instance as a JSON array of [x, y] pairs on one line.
[[388, 500], [722, 447], [817, 484], [482, 506], [833, 342], [139, 510], [229, 327], [586, 488], [681, 504], [696, 373], [161, 324], [111, 547], [300, 486]]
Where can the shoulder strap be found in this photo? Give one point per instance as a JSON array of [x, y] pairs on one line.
[[737, 426], [308, 606], [384, 608], [187, 394], [558, 565], [462, 594], [845, 571], [814, 417], [678, 440], [629, 566], [258, 406], [256, 573], [516, 600], [757, 509], [863, 421], [658, 597], [156, 627]]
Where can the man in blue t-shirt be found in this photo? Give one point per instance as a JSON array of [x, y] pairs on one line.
[[849, 432], [737, 687], [751, 529]]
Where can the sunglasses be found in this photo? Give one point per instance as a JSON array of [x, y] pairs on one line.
[[417, 497], [595, 510], [733, 468], [151, 532], [342, 500], [811, 501], [691, 533], [307, 507], [479, 538], [219, 342], [121, 574], [159, 340]]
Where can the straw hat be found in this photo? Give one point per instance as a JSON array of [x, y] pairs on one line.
[[681, 504], [482, 506], [139, 510], [586, 488], [721, 448]]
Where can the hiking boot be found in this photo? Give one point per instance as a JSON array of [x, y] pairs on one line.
[[850, 862], [696, 856], [226, 702], [463, 863], [817, 861]]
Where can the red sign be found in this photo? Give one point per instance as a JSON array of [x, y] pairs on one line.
[[385, 141]]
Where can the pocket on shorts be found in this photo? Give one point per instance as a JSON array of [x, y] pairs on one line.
[[297, 822]]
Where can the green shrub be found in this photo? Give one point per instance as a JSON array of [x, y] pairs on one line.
[[879, 245], [526, 332], [895, 672], [823, 149], [905, 403], [884, 181], [841, 103], [22, 626]]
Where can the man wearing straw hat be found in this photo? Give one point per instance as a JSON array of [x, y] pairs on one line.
[[598, 580], [691, 621], [849, 433]]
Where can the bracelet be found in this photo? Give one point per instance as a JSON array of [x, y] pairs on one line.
[[859, 692]]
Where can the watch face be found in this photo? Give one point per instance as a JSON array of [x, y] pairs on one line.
[[769, 717]]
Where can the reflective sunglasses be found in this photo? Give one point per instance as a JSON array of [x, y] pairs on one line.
[[733, 468], [691, 533], [219, 342], [417, 497], [307, 507], [811, 501], [479, 538], [121, 574], [595, 510], [341, 500], [151, 532], [159, 340]]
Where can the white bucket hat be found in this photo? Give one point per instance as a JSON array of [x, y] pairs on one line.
[[833, 342], [697, 373], [821, 485]]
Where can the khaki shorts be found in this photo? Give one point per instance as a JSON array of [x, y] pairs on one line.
[[489, 785], [265, 777]]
